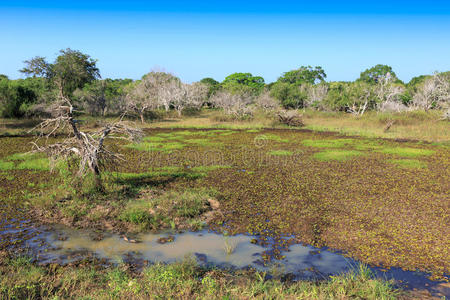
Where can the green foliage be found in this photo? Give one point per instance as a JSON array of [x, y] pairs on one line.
[[101, 96], [304, 75], [372, 75], [342, 95], [72, 69], [243, 82], [289, 95], [16, 96], [213, 85]]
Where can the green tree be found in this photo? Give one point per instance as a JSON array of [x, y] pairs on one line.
[[15, 97], [243, 82], [372, 75], [37, 67], [304, 75], [72, 69], [212, 84], [289, 95]]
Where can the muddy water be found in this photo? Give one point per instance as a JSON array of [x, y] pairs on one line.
[[59, 244]]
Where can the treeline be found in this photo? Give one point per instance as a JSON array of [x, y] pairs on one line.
[[238, 95]]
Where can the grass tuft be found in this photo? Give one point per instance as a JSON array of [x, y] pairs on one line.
[[407, 152], [39, 164], [6, 165], [409, 163], [339, 155]]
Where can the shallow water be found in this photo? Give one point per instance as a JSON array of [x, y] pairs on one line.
[[59, 244]]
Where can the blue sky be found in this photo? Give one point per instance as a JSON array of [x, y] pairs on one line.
[[200, 39]]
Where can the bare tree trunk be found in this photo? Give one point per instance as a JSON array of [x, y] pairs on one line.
[[141, 115]]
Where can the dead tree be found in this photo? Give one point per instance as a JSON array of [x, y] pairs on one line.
[[435, 92], [291, 118], [87, 148]]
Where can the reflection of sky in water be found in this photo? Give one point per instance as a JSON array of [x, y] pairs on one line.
[[298, 259]]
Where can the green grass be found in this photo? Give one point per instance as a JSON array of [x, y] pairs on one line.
[[409, 163], [39, 164], [138, 212], [280, 152], [24, 156], [407, 152], [157, 146], [339, 155], [160, 211], [6, 165], [335, 143], [272, 137], [204, 142], [153, 139], [174, 173], [20, 279]]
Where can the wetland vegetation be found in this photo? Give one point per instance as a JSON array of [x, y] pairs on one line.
[[276, 163]]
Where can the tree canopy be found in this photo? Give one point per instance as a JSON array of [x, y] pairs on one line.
[[241, 82], [304, 74], [372, 75], [72, 69]]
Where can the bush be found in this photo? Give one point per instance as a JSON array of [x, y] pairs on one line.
[[15, 98]]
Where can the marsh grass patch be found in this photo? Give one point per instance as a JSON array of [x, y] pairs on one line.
[[38, 164], [338, 155], [160, 211], [153, 139], [6, 165], [406, 151], [204, 142], [157, 146], [409, 163]]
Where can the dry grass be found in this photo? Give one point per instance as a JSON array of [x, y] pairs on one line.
[[416, 125], [413, 125]]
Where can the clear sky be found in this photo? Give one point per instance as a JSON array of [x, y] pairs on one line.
[[197, 39]]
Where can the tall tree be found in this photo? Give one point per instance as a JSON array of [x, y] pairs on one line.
[[72, 69], [304, 74], [374, 74], [243, 83]]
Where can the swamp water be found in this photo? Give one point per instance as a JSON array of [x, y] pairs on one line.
[[60, 244]]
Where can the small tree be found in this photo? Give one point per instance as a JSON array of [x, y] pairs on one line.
[[72, 70], [86, 148]]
